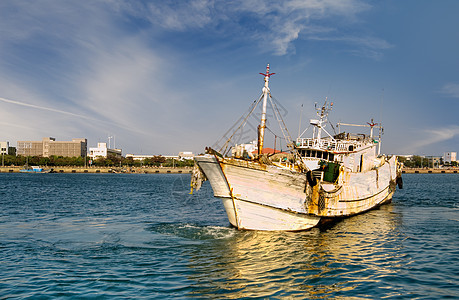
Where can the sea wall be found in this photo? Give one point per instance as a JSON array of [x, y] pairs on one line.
[[430, 170], [187, 170], [138, 170]]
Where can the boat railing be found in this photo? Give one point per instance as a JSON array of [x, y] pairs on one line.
[[328, 144], [318, 174]]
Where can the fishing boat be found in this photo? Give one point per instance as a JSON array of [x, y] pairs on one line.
[[323, 177], [35, 169]]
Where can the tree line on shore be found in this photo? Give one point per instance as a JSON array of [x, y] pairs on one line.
[[417, 161], [158, 160], [109, 161]]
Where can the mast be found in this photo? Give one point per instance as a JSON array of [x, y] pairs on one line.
[[262, 126], [322, 113]]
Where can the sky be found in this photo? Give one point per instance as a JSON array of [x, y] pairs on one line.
[[168, 76]]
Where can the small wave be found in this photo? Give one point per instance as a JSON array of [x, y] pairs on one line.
[[194, 231]]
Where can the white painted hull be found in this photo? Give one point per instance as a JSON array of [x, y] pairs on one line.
[[358, 191], [250, 203], [267, 197], [253, 216]]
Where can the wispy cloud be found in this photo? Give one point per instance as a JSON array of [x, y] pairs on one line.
[[276, 24], [77, 71], [43, 108], [450, 90], [176, 16], [434, 137]]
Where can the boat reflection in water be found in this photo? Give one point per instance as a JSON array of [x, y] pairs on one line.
[[343, 260]]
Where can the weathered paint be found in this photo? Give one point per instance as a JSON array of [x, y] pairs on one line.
[[267, 197], [357, 191], [266, 185], [254, 216], [238, 182], [211, 168]]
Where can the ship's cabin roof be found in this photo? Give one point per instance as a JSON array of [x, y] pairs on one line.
[[346, 136], [340, 143]]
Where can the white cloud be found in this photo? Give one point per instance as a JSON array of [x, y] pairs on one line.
[[433, 137], [285, 21], [42, 108], [450, 90], [194, 14], [277, 24]]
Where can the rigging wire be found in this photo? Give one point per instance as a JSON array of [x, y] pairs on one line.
[[333, 127], [287, 137], [225, 148], [304, 131]]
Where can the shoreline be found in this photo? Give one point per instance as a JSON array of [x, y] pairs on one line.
[[106, 170], [429, 171], [186, 170]]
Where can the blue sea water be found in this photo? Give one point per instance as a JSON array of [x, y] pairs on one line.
[[139, 236]]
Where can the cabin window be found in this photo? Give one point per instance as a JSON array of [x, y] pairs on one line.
[[351, 148], [325, 155], [319, 154], [308, 153], [313, 153], [331, 157]]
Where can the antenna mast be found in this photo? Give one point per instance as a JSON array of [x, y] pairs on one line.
[[299, 125], [262, 126]]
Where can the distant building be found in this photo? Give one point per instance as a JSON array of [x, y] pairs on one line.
[[185, 155], [102, 151], [145, 156], [6, 149], [449, 157], [139, 156], [245, 150], [268, 150], [433, 161], [407, 157], [171, 156], [49, 146]]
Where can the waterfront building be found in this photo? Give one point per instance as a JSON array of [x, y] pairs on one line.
[[49, 146], [433, 161], [147, 156], [185, 155], [171, 156], [406, 156], [102, 151], [449, 157], [139, 156], [6, 149]]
